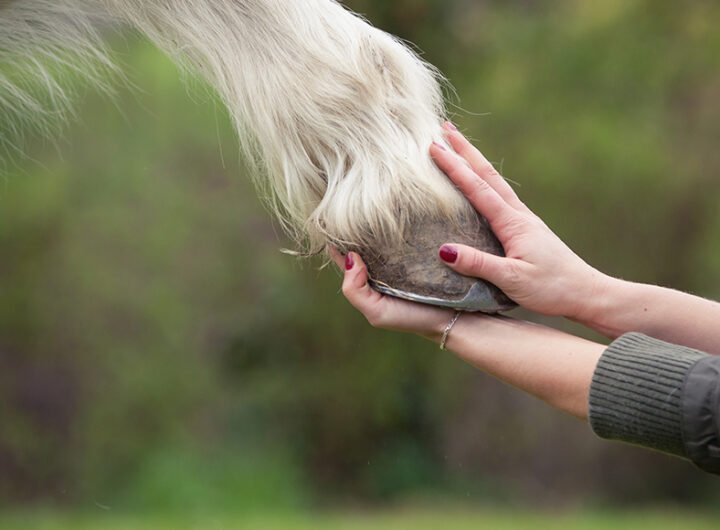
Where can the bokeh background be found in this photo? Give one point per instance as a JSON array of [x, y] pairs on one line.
[[162, 364]]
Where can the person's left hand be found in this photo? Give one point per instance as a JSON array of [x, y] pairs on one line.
[[387, 312], [539, 271]]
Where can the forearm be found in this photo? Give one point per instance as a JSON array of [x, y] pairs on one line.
[[620, 307], [551, 365]]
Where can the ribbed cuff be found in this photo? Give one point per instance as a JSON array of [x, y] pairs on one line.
[[636, 392]]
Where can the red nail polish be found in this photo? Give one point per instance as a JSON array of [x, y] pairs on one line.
[[349, 262], [448, 254], [439, 146]]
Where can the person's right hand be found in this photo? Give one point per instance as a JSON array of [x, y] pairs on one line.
[[539, 271]]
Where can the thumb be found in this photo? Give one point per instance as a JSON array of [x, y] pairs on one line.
[[476, 263], [356, 287]]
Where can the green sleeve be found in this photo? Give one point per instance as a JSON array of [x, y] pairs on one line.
[[660, 396]]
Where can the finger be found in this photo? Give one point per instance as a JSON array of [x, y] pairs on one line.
[[478, 264], [481, 195], [356, 287], [336, 256], [481, 165]]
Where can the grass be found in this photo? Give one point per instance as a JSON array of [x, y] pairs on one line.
[[396, 520]]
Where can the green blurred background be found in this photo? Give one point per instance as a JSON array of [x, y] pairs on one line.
[[163, 365]]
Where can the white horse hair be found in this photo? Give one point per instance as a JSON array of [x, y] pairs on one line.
[[335, 115]]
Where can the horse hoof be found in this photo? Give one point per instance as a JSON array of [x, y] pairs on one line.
[[414, 271]]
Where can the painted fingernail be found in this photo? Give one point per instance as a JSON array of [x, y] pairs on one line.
[[439, 146], [448, 254], [349, 262], [451, 126]]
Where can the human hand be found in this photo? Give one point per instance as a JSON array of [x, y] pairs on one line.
[[387, 312], [539, 271], [522, 354]]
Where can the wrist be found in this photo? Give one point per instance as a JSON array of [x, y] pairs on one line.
[[600, 302], [435, 331]]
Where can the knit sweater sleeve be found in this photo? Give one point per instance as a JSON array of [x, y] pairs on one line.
[[660, 396]]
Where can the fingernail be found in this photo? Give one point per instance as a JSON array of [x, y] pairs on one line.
[[439, 146], [349, 262], [451, 126], [448, 254]]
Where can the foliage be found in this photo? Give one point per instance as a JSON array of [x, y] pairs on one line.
[[150, 328]]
